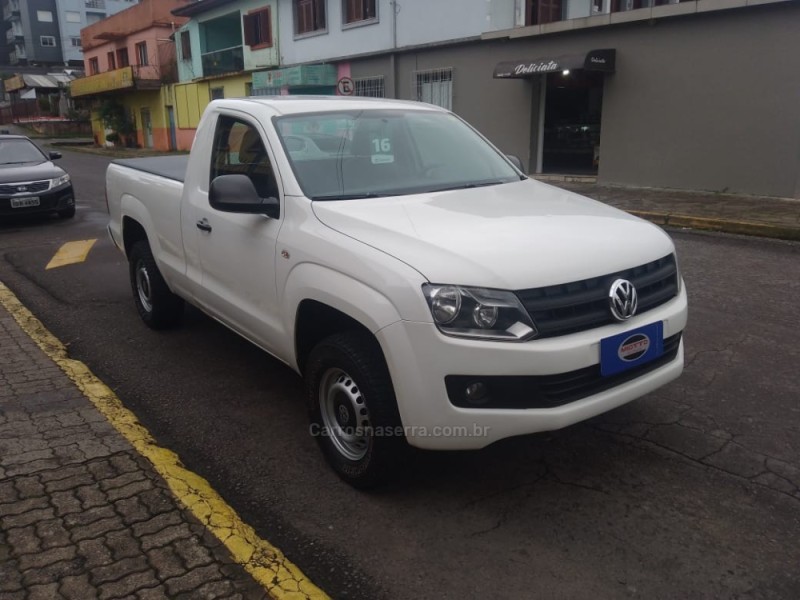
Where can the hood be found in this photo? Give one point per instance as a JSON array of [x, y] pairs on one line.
[[513, 236], [29, 172]]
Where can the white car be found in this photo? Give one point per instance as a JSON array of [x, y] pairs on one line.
[[428, 291]]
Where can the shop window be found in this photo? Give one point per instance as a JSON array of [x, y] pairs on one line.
[[112, 61], [258, 28], [434, 87], [122, 58], [141, 54], [94, 66], [309, 16], [186, 46], [370, 87], [538, 12], [356, 11]]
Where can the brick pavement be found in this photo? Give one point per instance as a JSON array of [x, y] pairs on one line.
[[82, 515]]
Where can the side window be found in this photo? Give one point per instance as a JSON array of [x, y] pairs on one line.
[[239, 150]]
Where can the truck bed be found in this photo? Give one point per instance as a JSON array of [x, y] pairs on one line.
[[170, 167]]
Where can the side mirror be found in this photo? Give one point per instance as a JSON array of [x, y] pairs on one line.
[[55, 155], [515, 161], [237, 194]]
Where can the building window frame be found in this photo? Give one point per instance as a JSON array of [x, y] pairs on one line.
[[216, 93], [72, 16], [365, 7], [141, 54], [44, 16], [370, 87], [434, 86], [257, 25], [76, 42], [318, 18], [111, 58], [94, 66], [50, 39], [123, 59], [186, 45]]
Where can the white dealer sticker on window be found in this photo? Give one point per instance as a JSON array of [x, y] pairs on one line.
[[381, 148]]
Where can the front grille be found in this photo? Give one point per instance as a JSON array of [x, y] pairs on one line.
[[549, 391], [581, 305], [12, 189]]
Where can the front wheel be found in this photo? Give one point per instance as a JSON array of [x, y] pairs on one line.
[[67, 213], [158, 307], [353, 410]]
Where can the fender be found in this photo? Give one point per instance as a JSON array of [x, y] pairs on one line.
[[309, 281]]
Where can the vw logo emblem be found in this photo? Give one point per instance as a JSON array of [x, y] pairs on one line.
[[623, 299]]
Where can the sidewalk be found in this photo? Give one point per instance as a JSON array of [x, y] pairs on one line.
[[82, 514], [749, 215]]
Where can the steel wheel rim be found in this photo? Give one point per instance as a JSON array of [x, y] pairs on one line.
[[344, 414], [143, 287]]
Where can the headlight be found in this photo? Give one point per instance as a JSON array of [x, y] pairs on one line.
[[54, 183], [478, 313]]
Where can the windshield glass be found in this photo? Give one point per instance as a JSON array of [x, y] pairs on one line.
[[17, 152], [371, 153]]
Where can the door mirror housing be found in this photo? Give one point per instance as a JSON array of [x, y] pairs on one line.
[[55, 155], [515, 161], [237, 194]]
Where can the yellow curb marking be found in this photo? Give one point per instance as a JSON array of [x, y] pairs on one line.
[[71, 253], [265, 563]]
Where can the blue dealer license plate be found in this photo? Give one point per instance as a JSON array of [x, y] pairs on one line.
[[627, 350]]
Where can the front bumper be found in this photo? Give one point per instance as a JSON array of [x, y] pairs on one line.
[[420, 358], [53, 200]]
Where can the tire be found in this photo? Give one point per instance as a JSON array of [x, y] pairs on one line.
[[347, 386], [158, 307], [67, 213]]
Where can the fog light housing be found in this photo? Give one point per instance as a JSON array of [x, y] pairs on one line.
[[476, 393]]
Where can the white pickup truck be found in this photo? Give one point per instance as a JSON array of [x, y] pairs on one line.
[[428, 291]]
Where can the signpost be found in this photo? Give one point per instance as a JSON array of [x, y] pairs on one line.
[[345, 87]]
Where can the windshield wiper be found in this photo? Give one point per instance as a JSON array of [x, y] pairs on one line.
[[347, 196], [467, 186]]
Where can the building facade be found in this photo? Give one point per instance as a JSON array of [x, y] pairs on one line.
[[695, 95], [47, 32], [130, 65]]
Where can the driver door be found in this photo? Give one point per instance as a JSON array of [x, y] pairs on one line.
[[236, 253]]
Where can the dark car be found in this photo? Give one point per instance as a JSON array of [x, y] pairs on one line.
[[30, 182]]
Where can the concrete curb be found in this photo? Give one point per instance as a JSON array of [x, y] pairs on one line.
[[780, 232]]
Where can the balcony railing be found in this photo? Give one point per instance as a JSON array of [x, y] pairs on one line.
[[11, 12], [12, 35], [230, 60], [96, 4]]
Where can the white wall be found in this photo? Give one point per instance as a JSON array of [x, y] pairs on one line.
[[417, 22]]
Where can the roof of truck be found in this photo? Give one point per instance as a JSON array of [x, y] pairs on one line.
[[287, 105]]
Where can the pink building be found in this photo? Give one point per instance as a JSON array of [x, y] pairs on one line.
[[128, 57]]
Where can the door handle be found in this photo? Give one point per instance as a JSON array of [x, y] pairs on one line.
[[203, 225]]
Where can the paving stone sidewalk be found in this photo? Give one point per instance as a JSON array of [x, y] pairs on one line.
[[82, 515]]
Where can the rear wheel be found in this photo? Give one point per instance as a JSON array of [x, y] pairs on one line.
[[353, 410], [158, 307]]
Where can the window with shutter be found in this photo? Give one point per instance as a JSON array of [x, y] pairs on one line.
[[309, 16], [186, 45], [258, 28], [359, 10]]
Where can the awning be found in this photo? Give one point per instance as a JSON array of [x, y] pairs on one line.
[[594, 60]]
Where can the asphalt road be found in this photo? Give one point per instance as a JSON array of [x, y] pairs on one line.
[[693, 491]]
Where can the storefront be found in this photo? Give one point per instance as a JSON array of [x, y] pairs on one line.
[[317, 80], [570, 107]]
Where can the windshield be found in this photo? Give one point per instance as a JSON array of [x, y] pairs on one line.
[[372, 153], [18, 152]]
